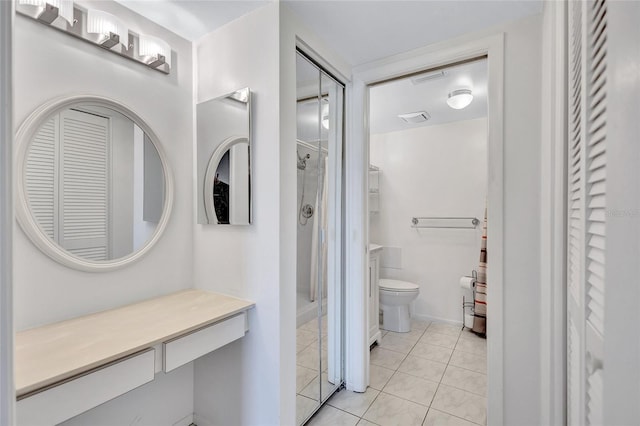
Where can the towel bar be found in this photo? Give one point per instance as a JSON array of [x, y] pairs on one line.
[[445, 222]]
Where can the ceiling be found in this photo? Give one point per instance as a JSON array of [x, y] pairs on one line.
[[360, 31], [191, 19], [403, 96], [363, 31]]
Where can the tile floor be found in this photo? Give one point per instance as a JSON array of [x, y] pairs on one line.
[[435, 375], [307, 377]]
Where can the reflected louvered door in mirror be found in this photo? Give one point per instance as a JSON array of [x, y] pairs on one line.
[[84, 184], [68, 180], [587, 210]]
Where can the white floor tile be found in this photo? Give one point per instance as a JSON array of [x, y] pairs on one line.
[[304, 407], [475, 346], [474, 362], [411, 388], [386, 358], [423, 368], [396, 343], [329, 416], [389, 410], [355, 403], [432, 352], [312, 390], [309, 357], [438, 418], [305, 337], [443, 328], [461, 403], [468, 380], [417, 324], [379, 376], [414, 335], [438, 339], [304, 376]]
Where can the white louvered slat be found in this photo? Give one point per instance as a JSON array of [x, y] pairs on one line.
[[41, 176], [575, 158], [84, 222], [596, 166], [587, 203], [594, 398], [91, 253], [573, 374]]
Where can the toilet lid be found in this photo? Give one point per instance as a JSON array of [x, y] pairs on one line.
[[397, 285]]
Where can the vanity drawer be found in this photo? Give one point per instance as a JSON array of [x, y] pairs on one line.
[[81, 393], [184, 349]]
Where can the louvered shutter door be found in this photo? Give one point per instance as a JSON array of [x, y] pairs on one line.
[[40, 176], [84, 174], [587, 210]]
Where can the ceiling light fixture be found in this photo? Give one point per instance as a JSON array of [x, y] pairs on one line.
[[109, 30], [460, 98], [48, 10], [325, 116]]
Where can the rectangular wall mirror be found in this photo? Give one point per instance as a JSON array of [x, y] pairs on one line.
[[224, 159]]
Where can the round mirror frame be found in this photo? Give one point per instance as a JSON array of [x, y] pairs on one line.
[[27, 221], [212, 167]]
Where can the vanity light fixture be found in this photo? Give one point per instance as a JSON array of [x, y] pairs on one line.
[[100, 29], [48, 10], [154, 51], [460, 98], [108, 29]]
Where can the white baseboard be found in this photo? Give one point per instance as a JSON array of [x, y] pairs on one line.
[[423, 317], [185, 421]]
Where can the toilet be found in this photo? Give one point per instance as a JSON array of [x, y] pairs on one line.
[[395, 297]]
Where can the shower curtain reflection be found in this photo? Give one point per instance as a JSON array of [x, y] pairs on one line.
[[307, 258]]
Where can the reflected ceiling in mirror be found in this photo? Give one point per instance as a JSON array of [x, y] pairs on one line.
[[224, 159], [94, 189]]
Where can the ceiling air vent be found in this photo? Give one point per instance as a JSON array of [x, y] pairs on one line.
[[423, 78], [415, 117]]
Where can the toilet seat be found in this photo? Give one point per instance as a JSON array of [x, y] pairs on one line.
[[397, 285]]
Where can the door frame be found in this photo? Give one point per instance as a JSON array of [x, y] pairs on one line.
[[7, 392], [553, 216], [357, 154]]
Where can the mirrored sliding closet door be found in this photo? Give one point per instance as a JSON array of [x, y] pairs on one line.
[[320, 107]]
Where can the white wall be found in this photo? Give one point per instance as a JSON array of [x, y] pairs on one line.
[[49, 64], [244, 260], [255, 262], [521, 296], [431, 171]]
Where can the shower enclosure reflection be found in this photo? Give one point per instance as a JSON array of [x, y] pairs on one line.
[[319, 284]]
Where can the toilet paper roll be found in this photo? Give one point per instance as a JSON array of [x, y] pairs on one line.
[[468, 320], [468, 283]]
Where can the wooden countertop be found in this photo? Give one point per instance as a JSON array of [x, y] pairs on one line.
[[55, 352]]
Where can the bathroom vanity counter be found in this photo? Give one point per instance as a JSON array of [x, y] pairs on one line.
[[60, 352]]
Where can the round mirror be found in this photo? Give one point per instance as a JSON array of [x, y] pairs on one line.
[[94, 189]]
